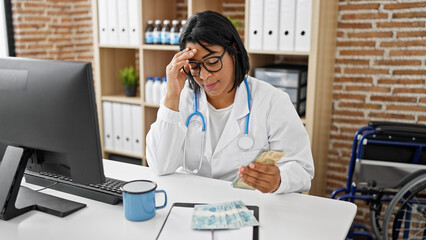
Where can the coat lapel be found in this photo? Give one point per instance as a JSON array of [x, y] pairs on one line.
[[232, 128]]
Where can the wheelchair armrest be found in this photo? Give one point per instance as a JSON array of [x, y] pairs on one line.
[[352, 197]]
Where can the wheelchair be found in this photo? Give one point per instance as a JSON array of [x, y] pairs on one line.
[[387, 171]]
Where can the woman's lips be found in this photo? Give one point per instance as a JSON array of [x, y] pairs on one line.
[[210, 86]]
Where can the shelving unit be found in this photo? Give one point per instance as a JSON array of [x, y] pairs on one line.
[[151, 60], [317, 118]]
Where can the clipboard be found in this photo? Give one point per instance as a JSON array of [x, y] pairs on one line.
[[177, 225]]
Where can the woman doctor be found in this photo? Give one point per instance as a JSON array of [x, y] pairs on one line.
[[215, 123]]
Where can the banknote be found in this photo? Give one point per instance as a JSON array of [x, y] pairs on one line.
[[222, 218], [236, 217], [231, 220], [245, 214], [242, 215], [206, 217], [266, 157], [229, 215]]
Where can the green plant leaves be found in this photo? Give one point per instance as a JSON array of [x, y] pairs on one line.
[[129, 77]]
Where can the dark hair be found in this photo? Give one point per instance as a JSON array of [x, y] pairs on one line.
[[213, 28]]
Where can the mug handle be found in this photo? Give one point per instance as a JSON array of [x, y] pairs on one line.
[[165, 199]]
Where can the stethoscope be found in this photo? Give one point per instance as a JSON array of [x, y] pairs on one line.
[[245, 142]]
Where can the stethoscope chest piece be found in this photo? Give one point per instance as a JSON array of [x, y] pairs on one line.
[[245, 142]]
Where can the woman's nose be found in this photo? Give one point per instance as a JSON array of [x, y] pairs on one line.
[[204, 74]]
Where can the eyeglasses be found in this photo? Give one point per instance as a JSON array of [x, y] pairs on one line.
[[211, 64]]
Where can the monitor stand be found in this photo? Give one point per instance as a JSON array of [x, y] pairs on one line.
[[16, 199]]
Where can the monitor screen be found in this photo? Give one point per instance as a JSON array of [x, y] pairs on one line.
[[49, 106]]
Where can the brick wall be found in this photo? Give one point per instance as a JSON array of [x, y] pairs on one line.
[[235, 9], [53, 29], [380, 73]]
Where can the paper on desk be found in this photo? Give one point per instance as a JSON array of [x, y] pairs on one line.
[[178, 227]]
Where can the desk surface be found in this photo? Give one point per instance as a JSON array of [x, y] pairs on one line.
[[292, 216]]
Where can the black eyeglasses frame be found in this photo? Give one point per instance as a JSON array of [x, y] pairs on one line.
[[189, 74]]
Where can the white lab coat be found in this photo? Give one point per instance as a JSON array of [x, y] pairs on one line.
[[274, 124]]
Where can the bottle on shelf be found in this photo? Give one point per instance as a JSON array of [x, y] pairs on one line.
[[183, 22], [149, 38], [149, 90], [164, 87], [156, 90], [174, 33], [165, 32], [157, 32]]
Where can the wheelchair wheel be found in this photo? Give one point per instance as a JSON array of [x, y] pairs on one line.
[[405, 217], [376, 219]]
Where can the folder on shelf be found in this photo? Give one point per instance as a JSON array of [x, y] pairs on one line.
[[112, 22], [270, 24], [117, 123], [108, 126], [287, 25], [134, 19], [303, 25], [137, 139], [123, 22], [255, 25], [103, 21], [127, 128]]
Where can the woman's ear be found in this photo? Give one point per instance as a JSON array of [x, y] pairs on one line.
[[234, 45]]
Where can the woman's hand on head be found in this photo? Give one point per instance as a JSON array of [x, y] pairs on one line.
[[264, 178], [176, 77]]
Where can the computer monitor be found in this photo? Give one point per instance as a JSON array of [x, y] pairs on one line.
[[48, 114]]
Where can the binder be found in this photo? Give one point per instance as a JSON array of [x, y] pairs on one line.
[[123, 22], [134, 27], [112, 22], [137, 139], [108, 126], [117, 123], [303, 25], [127, 128], [287, 25], [255, 25], [270, 24], [103, 21]]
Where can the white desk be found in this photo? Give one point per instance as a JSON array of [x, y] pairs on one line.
[[285, 216]]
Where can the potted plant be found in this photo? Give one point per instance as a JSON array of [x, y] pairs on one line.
[[130, 79]]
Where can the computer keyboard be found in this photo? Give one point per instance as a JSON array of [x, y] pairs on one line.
[[108, 192]]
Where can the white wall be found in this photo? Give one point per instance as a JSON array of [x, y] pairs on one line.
[[4, 50]]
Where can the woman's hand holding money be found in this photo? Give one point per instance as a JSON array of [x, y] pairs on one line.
[[264, 178]]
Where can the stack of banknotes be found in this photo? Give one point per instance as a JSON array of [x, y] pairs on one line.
[[266, 157], [230, 215]]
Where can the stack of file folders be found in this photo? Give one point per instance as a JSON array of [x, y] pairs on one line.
[[283, 25], [119, 22], [122, 127]]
